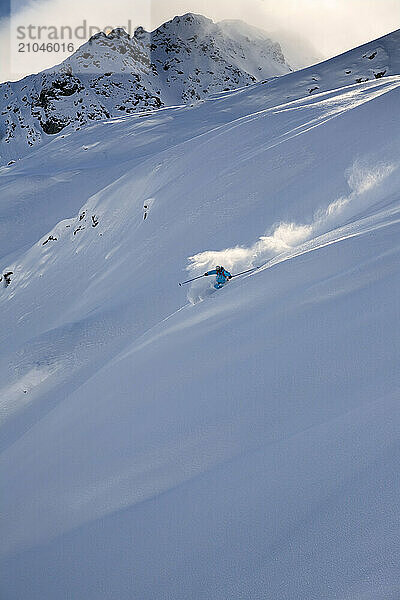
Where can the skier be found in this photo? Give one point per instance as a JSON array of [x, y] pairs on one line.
[[222, 276]]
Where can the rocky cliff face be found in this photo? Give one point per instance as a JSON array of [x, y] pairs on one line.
[[184, 60]]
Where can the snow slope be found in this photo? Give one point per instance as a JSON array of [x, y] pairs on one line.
[[183, 60], [163, 442]]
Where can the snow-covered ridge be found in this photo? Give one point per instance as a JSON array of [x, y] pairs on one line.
[[184, 60], [187, 59]]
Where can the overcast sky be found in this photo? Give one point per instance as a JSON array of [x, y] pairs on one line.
[[332, 26]]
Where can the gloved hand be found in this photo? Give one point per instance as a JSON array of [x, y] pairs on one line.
[[229, 277], [205, 274]]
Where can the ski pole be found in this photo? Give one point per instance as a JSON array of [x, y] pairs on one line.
[[189, 280], [237, 275], [243, 272]]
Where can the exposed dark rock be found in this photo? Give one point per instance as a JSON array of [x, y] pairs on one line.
[[49, 239], [7, 278]]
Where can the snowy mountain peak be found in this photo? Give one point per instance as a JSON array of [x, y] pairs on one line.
[[181, 26], [115, 51], [117, 33], [188, 22], [190, 19], [183, 60]]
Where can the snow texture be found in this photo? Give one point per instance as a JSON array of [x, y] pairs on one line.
[[162, 442]]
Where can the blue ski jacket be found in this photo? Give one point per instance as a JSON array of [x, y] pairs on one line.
[[222, 275]]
